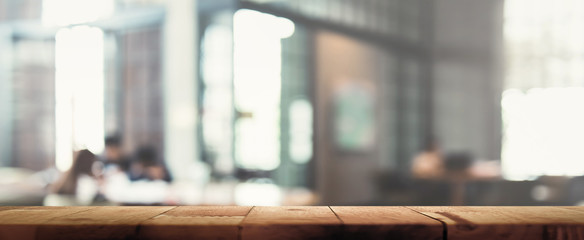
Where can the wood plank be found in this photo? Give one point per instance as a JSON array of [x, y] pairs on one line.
[[317, 222], [387, 223], [508, 222], [222, 222], [23, 222], [574, 208], [209, 211], [99, 223], [4, 208], [195, 222]]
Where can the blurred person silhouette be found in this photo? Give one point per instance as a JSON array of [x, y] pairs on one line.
[[429, 163], [146, 183], [146, 166], [113, 158], [458, 162], [80, 185]]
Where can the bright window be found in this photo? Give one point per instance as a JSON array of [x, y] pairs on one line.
[[78, 92], [79, 76], [544, 132], [543, 101], [257, 81]]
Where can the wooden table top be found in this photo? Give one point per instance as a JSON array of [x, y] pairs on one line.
[[315, 222]]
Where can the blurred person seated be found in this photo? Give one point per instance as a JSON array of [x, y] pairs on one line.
[[429, 163], [80, 185], [458, 163], [147, 181], [113, 158], [146, 166]]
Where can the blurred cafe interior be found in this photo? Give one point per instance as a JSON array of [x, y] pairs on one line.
[[291, 102]]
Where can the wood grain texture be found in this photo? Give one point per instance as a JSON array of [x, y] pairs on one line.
[[319, 222], [574, 208], [4, 208], [387, 223], [291, 223], [23, 222], [202, 222], [99, 223], [508, 222], [209, 211]]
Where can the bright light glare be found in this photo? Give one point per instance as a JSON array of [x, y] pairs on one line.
[[300, 131], [543, 132], [284, 27], [542, 112], [258, 194], [263, 24], [257, 82], [78, 92], [217, 122], [65, 12]]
